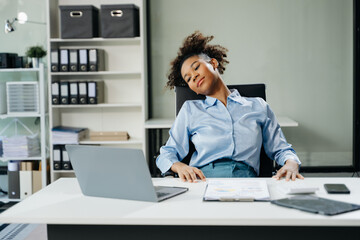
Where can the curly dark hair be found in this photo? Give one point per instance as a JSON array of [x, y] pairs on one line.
[[195, 44]]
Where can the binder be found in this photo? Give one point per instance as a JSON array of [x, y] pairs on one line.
[[66, 165], [57, 157], [83, 92], [64, 60], [36, 181], [96, 92], [74, 60], [74, 93], [55, 93], [96, 60], [64, 92], [25, 183], [54, 58], [83, 60], [14, 184], [20, 62]]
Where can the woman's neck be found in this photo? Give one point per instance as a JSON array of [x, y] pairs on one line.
[[221, 93]]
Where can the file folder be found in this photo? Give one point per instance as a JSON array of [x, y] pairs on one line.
[[55, 93], [96, 60], [57, 157], [96, 92], [36, 181], [74, 93], [64, 60], [25, 184], [74, 60], [54, 58], [66, 165], [64, 92], [83, 60], [14, 184], [83, 92]]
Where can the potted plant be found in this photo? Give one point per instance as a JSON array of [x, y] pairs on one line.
[[35, 53]]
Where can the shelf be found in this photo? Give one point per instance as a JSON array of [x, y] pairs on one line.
[[101, 105], [158, 123], [94, 73], [125, 85], [3, 116], [5, 198], [5, 159], [12, 70], [117, 40], [128, 142], [287, 122]]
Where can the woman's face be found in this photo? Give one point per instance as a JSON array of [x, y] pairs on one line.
[[199, 74]]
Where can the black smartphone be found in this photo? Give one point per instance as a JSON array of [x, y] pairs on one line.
[[336, 188]]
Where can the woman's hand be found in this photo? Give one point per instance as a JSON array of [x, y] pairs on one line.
[[289, 170], [187, 173]]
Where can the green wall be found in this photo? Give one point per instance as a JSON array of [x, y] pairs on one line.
[[301, 49]]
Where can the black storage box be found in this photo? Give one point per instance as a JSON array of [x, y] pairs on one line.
[[119, 21], [8, 60], [80, 21]]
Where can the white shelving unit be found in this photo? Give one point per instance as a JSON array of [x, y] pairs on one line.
[[125, 82], [32, 74]]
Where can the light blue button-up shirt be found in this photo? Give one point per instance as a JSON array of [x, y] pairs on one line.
[[236, 131]]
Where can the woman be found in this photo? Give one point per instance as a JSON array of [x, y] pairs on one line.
[[227, 129]]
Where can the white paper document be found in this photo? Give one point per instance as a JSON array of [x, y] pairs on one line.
[[237, 190]]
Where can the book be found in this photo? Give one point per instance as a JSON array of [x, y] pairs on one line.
[[68, 129], [236, 190]]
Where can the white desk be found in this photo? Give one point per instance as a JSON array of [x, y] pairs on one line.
[[62, 206]]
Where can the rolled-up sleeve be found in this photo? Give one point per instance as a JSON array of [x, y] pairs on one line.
[[177, 146], [275, 144]]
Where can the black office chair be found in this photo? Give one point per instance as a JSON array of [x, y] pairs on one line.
[[246, 90]]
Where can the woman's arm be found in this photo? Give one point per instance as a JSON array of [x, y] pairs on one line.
[[277, 148], [177, 147]]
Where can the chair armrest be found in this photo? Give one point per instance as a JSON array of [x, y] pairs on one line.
[[170, 174]]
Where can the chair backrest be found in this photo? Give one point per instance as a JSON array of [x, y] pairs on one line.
[[246, 90]]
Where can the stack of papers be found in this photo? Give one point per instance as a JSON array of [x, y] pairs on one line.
[[68, 135], [21, 146], [237, 190]]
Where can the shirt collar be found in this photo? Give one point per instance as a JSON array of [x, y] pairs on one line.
[[234, 95]]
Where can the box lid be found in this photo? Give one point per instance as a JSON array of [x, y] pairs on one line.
[[118, 6], [78, 7]]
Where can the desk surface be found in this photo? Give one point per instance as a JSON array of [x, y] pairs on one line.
[[63, 203]]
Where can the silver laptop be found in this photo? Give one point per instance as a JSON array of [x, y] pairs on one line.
[[116, 173]]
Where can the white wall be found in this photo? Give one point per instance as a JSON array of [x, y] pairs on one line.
[[301, 49], [25, 35]]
